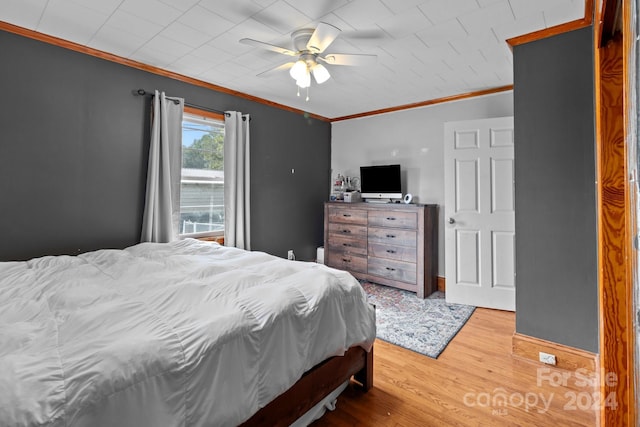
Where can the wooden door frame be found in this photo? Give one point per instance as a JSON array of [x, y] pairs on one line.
[[615, 137]]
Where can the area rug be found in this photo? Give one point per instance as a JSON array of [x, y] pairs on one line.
[[425, 326]]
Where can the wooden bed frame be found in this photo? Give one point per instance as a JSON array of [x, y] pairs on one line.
[[314, 385]]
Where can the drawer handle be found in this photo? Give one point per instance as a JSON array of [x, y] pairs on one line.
[[346, 215], [390, 269], [346, 260], [391, 236], [391, 251], [346, 231], [347, 245], [390, 218]]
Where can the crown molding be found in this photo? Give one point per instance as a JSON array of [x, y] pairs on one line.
[[10, 28], [526, 38], [558, 29], [426, 103]]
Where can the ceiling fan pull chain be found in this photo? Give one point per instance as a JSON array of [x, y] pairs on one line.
[[307, 94], [298, 90]]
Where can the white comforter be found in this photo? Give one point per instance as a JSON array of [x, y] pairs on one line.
[[181, 334]]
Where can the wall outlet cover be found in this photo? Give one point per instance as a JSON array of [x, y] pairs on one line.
[[547, 358]]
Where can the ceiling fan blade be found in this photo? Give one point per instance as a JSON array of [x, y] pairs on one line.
[[322, 37], [349, 59], [268, 46], [278, 68]]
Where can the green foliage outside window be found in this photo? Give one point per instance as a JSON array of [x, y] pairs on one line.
[[205, 152]]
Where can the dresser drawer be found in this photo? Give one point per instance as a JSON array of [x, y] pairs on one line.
[[391, 269], [347, 245], [357, 231], [393, 219], [348, 262], [400, 253], [393, 236], [347, 215]]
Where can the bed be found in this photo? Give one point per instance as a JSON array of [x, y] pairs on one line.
[[187, 333]]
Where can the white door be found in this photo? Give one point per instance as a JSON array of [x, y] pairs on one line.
[[479, 213]]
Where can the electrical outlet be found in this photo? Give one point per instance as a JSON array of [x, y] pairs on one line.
[[290, 254], [547, 358]]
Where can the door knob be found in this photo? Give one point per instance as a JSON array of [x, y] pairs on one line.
[[452, 221]]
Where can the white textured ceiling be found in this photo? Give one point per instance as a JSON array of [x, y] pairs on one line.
[[427, 49]]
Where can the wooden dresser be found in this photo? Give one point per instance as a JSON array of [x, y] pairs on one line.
[[391, 244]]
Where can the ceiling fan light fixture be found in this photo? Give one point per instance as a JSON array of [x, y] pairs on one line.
[[299, 70], [305, 80], [308, 45], [320, 73]]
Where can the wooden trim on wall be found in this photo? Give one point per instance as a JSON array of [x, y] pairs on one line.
[[10, 28], [615, 119], [589, 11], [558, 29], [426, 103], [548, 32], [630, 74], [611, 178], [616, 256], [568, 358], [442, 284]]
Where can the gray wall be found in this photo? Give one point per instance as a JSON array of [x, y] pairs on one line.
[[556, 258], [73, 156]]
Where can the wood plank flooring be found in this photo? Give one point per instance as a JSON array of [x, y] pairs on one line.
[[464, 385]]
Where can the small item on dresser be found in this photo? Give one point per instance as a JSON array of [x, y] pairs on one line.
[[338, 189], [352, 196]]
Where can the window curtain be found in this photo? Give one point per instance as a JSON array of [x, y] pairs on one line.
[[236, 180], [162, 202]]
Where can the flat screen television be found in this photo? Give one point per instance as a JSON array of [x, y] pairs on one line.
[[380, 182]]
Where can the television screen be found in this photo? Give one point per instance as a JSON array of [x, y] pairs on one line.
[[380, 181]]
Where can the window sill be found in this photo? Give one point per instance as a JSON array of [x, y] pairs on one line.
[[217, 239]]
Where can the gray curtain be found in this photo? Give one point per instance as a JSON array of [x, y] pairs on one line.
[[162, 202], [236, 180]]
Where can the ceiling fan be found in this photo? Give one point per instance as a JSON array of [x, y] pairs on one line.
[[309, 45]]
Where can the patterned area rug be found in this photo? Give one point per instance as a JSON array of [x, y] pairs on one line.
[[422, 325]]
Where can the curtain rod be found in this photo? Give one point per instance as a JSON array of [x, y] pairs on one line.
[[142, 92]]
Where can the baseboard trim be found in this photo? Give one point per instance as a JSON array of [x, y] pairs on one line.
[[441, 284], [568, 358]]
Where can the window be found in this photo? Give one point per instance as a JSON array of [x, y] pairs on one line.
[[202, 183]]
